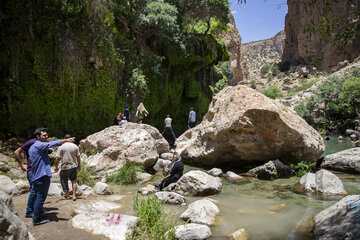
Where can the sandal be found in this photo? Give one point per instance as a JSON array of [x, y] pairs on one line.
[[65, 198]]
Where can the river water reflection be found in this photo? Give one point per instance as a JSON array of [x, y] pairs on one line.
[[269, 210]]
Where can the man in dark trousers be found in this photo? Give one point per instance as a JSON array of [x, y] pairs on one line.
[[41, 171], [192, 118], [177, 168]]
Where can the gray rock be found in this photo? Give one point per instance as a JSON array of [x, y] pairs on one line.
[[55, 189], [86, 190], [351, 132], [7, 185], [110, 148], [21, 186], [215, 172], [102, 189], [161, 163], [242, 126], [170, 197], [196, 183], [202, 211], [346, 161], [141, 176], [340, 221], [234, 178], [192, 231], [11, 226], [271, 170], [323, 182], [147, 190], [241, 234]]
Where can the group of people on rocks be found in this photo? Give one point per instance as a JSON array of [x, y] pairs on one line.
[[141, 113], [331, 129], [39, 171]]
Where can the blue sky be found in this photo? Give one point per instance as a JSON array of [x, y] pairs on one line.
[[259, 19]]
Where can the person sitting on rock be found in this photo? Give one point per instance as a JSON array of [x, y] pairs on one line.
[[117, 119], [123, 121], [175, 169]]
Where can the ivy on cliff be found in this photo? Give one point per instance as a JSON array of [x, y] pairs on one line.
[[72, 65]]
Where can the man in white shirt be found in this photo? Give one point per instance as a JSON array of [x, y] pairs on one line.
[[69, 155], [168, 121], [192, 118]]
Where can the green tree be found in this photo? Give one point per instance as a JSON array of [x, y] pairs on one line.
[[264, 70], [273, 92], [350, 94]]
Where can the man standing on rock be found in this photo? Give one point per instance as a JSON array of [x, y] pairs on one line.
[[192, 118], [41, 171], [27, 168], [168, 122], [69, 155]]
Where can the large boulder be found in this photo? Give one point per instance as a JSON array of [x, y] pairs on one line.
[[11, 226], [242, 126], [340, 221], [196, 183], [323, 182], [346, 161], [109, 148]]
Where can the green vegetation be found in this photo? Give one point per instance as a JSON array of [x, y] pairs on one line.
[[226, 69], [219, 85], [253, 84], [273, 92], [304, 85], [125, 175], [264, 70], [85, 176], [340, 99], [77, 63], [154, 222], [302, 168]]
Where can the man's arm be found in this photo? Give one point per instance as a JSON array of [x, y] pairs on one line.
[[18, 158], [57, 160], [79, 163]]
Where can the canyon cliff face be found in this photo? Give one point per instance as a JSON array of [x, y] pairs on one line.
[[233, 43], [257, 54], [304, 47]]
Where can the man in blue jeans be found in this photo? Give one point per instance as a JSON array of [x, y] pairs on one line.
[[41, 171], [27, 168]]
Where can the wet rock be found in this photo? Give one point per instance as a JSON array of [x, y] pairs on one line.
[[241, 234], [102, 189], [350, 132], [215, 172], [11, 226], [196, 183], [322, 181], [271, 170], [262, 187], [202, 211], [192, 231], [339, 221], [7, 185], [110, 148], [242, 126], [278, 207], [282, 187], [86, 190], [303, 230], [147, 190], [346, 161], [234, 178], [170, 197]]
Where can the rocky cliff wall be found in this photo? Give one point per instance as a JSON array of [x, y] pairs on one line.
[[304, 47], [257, 54], [233, 43]]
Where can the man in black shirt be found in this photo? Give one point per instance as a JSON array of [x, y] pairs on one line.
[[177, 168]]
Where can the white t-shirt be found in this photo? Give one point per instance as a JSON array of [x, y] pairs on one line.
[[68, 153], [168, 122]]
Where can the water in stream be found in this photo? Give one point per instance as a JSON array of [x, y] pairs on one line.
[[265, 212]]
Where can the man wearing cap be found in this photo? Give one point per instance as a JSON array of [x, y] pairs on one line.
[[69, 155], [41, 171]]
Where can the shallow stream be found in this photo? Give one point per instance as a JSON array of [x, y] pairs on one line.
[[266, 211]]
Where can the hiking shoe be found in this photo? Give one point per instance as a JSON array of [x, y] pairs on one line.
[[29, 215], [42, 221]]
